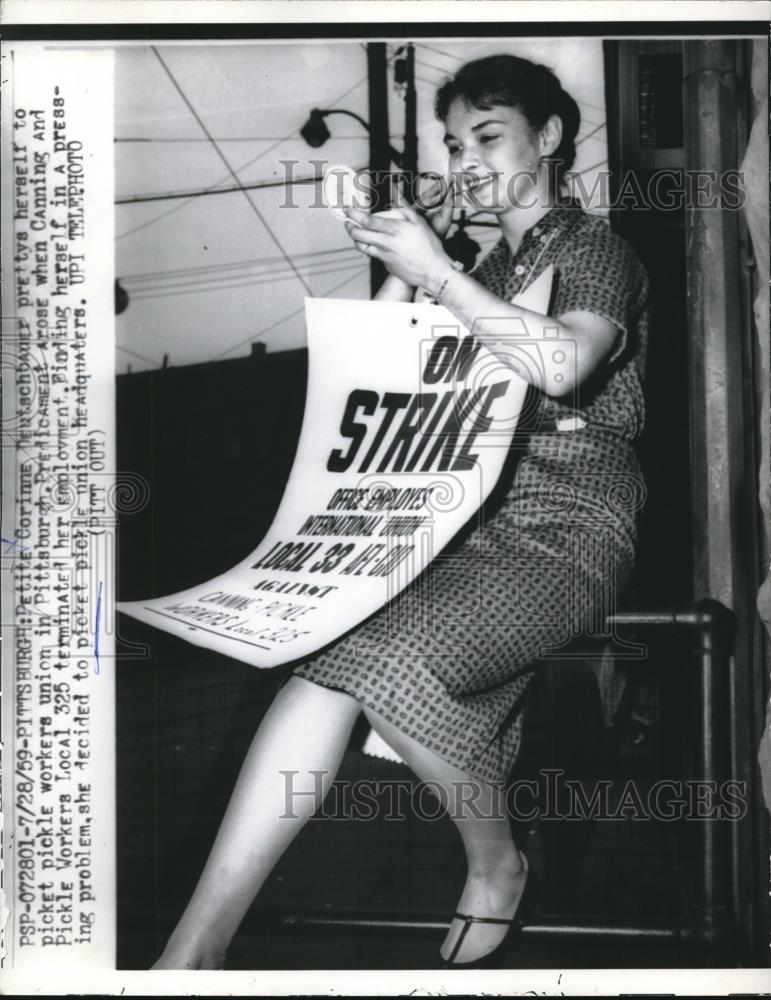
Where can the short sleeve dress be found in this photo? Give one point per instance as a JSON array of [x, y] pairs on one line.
[[547, 557]]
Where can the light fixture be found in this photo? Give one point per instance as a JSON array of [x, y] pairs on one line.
[[316, 133]]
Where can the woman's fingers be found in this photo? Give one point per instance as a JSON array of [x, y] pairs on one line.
[[439, 198], [362, 238], [360, 235], [370, 222], [369, 249], [434, 195], [445, 212], [409, 212]]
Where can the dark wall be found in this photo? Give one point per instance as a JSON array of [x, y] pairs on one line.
[[216, 443], [645, 135]]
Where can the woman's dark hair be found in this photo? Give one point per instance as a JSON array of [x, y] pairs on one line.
[[510, 81]]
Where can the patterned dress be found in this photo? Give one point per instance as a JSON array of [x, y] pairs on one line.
[[448, 661]]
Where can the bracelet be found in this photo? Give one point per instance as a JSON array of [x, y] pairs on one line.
[[455, 266]]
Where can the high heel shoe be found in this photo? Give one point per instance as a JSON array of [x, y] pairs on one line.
[[493, 959]]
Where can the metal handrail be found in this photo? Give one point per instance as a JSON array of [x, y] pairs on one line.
[[709, 919]]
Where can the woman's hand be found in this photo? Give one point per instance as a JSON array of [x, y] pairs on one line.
[[439, 215], [408, 246]]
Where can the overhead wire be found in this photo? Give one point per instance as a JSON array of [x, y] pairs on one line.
[[235, 138], [594, 166], [449, 55], [428, 65], [250, 163], [235, 274], [205, 192], [252, 262], [295, 312], [213, 282], [192, 198], [268, 229], [438, 82], [589, 135], [193, 290], [431, 48], [259, 333], [216, 277], [268, 265], [140, 357], [275, 324], [238, 281], [219, 278], [581, 103]]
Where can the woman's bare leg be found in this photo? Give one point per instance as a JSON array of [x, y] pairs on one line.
[[495, 875], [305, 730]]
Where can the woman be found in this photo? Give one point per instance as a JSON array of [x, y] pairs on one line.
[[548, 561]]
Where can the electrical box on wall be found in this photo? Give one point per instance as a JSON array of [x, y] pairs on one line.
[[644, 83], [649, 91]]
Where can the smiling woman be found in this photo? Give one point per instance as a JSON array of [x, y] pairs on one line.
[[528, 104], [546, 562]]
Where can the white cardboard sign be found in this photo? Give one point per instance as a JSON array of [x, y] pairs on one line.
[[400, 445]]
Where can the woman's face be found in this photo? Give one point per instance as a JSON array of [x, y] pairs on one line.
[[493, 155]]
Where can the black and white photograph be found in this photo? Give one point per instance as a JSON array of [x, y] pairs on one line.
[[387, 498]]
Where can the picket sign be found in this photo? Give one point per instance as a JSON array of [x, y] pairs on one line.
[[407, 422]]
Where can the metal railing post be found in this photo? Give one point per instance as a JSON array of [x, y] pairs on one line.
[[711, 914], [709, 627]]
